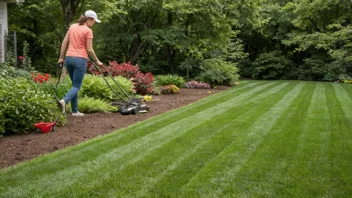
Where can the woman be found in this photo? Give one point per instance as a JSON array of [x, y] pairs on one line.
[[79, 41]]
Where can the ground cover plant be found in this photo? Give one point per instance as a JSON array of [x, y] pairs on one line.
[[261, 138]]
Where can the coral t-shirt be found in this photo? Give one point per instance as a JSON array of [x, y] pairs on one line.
[[78, 35]]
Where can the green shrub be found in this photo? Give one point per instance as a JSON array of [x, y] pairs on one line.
[[271, 65], [92, 105], [347, 81], [313, 68], [217, 71], [11, 72], [95, 87], [142, 82], [164, 80], [23, 104]]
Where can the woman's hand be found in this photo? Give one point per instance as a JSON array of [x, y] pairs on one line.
[[61, 60]]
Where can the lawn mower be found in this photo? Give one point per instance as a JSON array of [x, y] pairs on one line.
[[46, 127], [129, 106]]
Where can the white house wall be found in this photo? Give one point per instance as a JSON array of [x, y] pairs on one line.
[[3, 29]]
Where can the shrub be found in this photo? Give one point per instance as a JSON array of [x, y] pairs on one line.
[[313, 68], [11, 72], [347, 81], [142, 82], [126, 70], [163, 80], [217, 71], [25, 105], [92, 105], [197, 85], [271, 65], [169, 89]]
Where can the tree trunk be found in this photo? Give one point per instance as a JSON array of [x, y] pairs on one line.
[[135, 50], [170, 49], [69, 9]]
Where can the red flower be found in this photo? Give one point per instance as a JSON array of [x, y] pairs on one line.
[[21, 58], [39, 78]]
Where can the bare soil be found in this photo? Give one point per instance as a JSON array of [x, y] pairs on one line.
[[16, 148]]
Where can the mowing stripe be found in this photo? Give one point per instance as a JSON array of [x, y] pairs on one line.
[[138, 147], [219, 174]]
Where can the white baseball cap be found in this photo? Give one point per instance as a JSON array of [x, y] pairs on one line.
[[92, 14]]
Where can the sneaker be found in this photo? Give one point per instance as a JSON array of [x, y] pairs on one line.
[[62, 105], [78, 114]]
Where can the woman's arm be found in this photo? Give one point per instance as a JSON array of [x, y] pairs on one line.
[[63, 48], [91, 51]]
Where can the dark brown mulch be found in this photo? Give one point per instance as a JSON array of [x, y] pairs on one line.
[[22, 147]]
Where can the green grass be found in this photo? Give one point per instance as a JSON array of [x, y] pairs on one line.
[[259, 139]]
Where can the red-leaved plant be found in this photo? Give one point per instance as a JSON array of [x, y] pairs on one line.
[[142, 82]]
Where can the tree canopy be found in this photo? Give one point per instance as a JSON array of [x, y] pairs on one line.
[[271, 39]]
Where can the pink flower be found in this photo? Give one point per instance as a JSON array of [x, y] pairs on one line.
[[21, 58]]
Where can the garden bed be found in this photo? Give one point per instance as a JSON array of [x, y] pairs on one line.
[[17, 148]]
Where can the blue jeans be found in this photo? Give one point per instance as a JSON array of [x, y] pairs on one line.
[[76, 68]]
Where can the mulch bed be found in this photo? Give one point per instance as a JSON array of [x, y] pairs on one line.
[[16, 148]]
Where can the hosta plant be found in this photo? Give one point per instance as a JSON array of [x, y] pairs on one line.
[[93, 105], [96, 87], [164, 80]]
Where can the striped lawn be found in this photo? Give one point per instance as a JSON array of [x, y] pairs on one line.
[[259, 139]]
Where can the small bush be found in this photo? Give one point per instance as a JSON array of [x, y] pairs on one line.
[[169, 89], [11, 72], [93, 105], [163, 80], [217, 71], [26, 104], [197, 85], [126, 70], [143, 83], [271, 66]]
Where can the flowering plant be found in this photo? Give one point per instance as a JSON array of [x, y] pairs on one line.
[[40, 78], [197, 85], [169, 89]]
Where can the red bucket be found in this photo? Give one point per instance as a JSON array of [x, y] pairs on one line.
[[44, 127]]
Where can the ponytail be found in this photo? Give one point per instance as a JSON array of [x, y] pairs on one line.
[[82, 19]]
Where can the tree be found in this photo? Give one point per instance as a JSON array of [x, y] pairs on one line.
[[69, 9]]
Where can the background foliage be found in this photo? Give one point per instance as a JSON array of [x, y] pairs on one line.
[[303, 39]]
